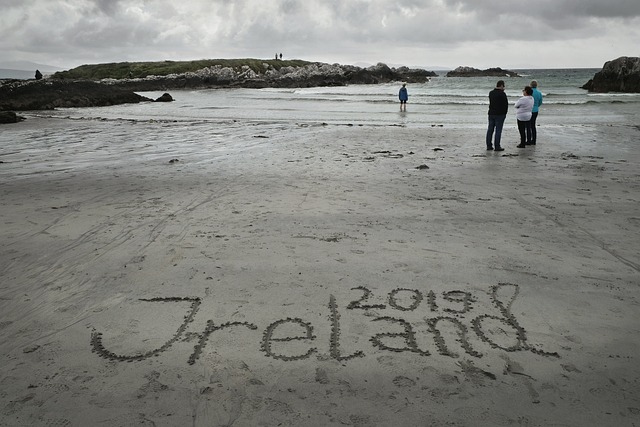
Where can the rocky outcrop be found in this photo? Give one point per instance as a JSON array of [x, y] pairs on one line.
[[46, 94], [310, 75], [619, 75], [474, 72]]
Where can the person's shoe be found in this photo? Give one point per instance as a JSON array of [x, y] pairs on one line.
[[499, 149], [489, 148], [532, 143], [521, 145]]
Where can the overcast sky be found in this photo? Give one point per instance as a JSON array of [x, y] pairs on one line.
[[432, 33]]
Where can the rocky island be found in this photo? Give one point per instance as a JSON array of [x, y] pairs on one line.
[[619, 75], [475, 72], [109, 84]]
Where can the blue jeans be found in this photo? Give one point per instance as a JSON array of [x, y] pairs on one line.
[[534, 133], [496, 121]]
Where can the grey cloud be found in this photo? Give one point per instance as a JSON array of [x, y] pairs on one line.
[[134, 29], [600, 9], [290, 7], [551, 9], [108, 7]]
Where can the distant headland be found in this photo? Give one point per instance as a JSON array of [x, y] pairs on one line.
[[475, 72], [253, 73]]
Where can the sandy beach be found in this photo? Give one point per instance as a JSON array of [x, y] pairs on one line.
[[320, 275]]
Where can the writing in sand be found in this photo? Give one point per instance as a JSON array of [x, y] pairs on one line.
[[450, 312]]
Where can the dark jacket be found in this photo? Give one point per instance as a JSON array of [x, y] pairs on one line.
[[403, 94], [498, 102]]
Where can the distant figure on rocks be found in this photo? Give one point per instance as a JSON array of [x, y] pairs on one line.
[[498, 107], [537, 102], [404, 97], [280, 57], [38, 75], [276, 56]]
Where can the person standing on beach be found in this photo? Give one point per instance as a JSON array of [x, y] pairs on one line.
[[404, 97], [537, 102], [498, 107], [524, 106]]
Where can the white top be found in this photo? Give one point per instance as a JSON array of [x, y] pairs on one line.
[[524, 106]]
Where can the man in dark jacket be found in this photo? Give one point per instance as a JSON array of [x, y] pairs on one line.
[[498, 106]]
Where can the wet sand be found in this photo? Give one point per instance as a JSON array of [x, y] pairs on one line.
[[319, 275]]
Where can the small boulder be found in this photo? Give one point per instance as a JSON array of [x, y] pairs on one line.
[[165, 98], [9, 117]]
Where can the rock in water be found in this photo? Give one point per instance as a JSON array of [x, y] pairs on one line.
[[9, 117], [619, 75], [165, 98]]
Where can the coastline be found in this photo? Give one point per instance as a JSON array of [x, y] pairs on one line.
[[114, 84], [296, 230]]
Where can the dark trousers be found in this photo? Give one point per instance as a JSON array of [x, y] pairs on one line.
[[534, 134], [525, 131], [496, 121]]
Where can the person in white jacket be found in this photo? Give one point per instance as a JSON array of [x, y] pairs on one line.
[[524, 106]]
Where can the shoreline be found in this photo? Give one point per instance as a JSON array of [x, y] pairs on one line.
[[350, 262], [114, 84]]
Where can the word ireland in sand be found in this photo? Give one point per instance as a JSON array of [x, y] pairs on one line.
[[454, 308]]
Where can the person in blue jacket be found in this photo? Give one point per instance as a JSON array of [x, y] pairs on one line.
[[537, 102], [404, 97]]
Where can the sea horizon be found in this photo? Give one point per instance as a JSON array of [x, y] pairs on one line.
[[7, 72]]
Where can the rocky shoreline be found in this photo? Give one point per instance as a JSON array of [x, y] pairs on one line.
[[310, 75], [58, 91], [47, 94]]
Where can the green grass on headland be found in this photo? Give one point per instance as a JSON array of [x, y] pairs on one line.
[[123, 70]]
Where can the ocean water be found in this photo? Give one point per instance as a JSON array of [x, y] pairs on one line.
[[81, 137], [443, 100]]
